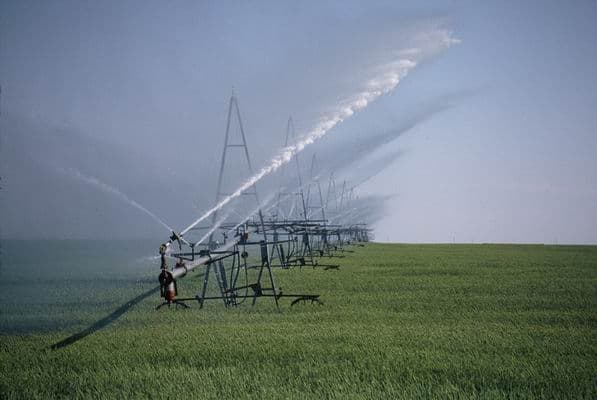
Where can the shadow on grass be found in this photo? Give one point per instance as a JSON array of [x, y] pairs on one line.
[[102, 323]]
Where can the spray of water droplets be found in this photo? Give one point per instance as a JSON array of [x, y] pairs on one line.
[[389, 77], [104, 187]]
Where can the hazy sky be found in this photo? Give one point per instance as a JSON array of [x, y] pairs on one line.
[[491, 138]]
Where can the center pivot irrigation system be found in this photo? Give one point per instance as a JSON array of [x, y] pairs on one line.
[[297, 229]]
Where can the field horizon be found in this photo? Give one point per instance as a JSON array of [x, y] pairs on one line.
[[372, 240]]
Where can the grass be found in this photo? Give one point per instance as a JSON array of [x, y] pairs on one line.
[[399, 321]]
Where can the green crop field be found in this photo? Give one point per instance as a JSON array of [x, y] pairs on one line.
[[398, 321]]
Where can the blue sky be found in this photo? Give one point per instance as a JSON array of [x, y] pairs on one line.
[[517, 161], [513, 158]]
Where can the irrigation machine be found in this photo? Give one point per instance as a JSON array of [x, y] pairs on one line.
[[298, 229]]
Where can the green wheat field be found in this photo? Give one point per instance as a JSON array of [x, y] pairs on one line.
[[398, 321]]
